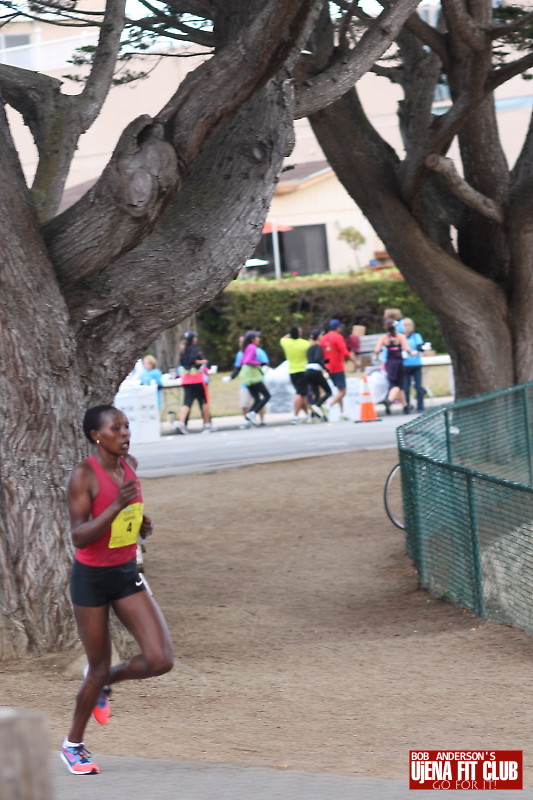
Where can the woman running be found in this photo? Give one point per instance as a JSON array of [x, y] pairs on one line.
[[252, 376], [394, 344], [315, 376], [106, 516]]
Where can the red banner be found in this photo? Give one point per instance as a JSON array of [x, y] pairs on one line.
[[465, 769]]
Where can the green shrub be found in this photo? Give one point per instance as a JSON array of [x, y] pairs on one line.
[[273, 306]]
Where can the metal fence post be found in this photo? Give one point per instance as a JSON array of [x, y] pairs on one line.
[[448, 440], [474, 541], [526, 431]]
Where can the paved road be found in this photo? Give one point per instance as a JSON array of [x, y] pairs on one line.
[[127, 778], [277, 441]]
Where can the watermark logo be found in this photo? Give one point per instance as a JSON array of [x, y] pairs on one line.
[[465, 769]]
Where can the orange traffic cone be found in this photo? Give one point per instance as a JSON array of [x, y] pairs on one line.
[[367, 409]]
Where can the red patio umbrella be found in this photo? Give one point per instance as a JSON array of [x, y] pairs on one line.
[[269, 227]]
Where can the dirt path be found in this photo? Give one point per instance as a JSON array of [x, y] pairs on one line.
[[300, 635]]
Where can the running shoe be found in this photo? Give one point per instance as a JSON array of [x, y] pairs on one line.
[[317, 411], [296, 421], [181, 428], [78, 760], [251, 416], [102, 709], [325, 413]]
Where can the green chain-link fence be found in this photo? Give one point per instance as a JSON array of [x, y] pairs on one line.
[[467, 475]]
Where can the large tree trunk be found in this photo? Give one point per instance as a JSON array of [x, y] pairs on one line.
[[472, 310], [79, 352], [200, 244], [39, 435]]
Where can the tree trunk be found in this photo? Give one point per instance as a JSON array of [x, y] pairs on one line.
[[39, 436], [200, 244], [472, 310], [78, 353]]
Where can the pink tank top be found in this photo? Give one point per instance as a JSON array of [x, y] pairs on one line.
[[99, 553]]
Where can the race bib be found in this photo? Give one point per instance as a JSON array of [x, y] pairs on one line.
[[126, 526]]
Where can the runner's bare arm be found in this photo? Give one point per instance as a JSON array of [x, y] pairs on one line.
[[80, 492]]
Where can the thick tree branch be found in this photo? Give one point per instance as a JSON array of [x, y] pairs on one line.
[[461, 189], [345, 26], [90, 101], [508, 71], [247, 64], [72, 115], [429, 36], [426, 33], [201, 241], [345, 71], [460, 21], [55, 120], [150, 159], [523, 168], [28, 92]]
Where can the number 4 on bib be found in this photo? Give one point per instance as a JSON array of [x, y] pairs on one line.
[[126, 526]]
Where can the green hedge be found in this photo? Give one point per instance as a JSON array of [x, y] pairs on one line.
[[273, 306]]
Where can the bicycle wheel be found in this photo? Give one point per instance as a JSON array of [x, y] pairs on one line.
[[392, 497]]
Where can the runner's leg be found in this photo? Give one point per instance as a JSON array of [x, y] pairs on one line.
[[93, 629], [142, 617]]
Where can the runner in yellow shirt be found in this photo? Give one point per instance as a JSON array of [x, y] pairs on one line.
[[295, 349]]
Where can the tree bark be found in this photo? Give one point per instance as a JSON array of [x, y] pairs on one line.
[[472, 310], [79, 338], [39, 432], [478, 283], [200, 244]]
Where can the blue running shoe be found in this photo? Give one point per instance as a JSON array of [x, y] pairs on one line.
[[78, 760]]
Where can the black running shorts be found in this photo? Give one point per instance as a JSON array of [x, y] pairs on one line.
[[192, 392], [299, 381], [99, 586]]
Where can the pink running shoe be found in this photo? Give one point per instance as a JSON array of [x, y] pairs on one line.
[[78, 760], [102, 709]]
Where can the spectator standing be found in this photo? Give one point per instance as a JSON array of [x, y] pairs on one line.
[[353, 343], [295, 349], [192, 365], [151, 374], [335, 354], [393, 315], [315, 375], [412, 365]]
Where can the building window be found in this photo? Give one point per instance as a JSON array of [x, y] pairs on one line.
[[16, 50], [303, 251]]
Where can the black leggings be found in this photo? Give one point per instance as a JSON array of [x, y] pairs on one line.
[[260, 395], [315, 382]]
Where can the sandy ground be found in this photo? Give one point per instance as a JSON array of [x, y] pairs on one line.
[[301, 638]]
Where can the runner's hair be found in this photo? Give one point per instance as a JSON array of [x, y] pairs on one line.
[[93, 419]]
